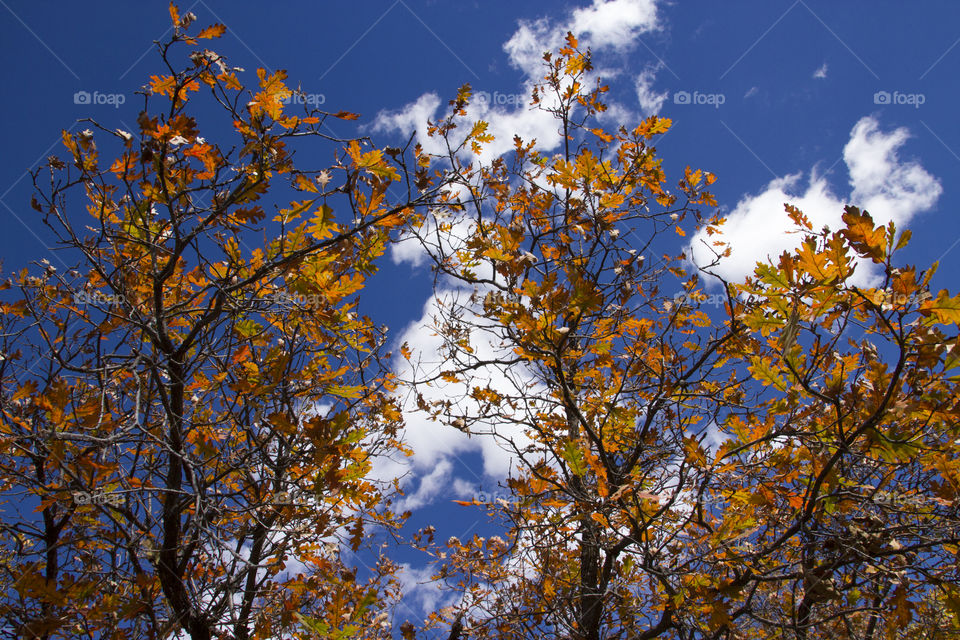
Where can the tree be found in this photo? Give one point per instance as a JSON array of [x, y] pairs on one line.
[[189, 415], [188, 422], [782, 468]]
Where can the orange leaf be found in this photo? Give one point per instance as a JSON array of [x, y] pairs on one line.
[[213, 31], [865, 238], [230, 80], [599, 518], [28, 388]]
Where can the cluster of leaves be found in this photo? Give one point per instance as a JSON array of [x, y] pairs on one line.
[[188, 423], [784, 468], [184, 418]]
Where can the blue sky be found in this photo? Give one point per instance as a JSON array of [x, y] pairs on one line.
[[814, 102]]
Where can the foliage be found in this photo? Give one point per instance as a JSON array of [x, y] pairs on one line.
[[189, 417], [784, 467], [188, 422]]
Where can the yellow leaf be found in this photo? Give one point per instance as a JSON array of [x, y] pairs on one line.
[[761, 370], [797, 216], [904, 239], [349, 392], [945, 308], [603, 135]]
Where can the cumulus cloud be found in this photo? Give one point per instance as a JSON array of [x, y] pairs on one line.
[[887, 187], [421, 590], [612, 26], [407, 250], [516, 118], [435, 441], [605, 25], [413, 116], [651, 101], [615, 23], [821, 72], [437, 480]]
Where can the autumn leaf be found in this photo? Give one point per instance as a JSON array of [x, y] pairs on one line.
[[213, 31], [945, 309], [863, 236], [351, 392]]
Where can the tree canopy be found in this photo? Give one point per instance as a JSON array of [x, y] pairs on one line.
[[190, 416]]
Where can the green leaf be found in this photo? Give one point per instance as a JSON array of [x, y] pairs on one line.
[[763, 372], [904, 239], [317, 626], [247, 328], [573, 456], [768, 274]]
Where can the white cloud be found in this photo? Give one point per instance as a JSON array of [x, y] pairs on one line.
[[408, 250], [882, 184], [526, 46], [757, 228], [604, 25], [752, 91], [463, 489], [504, 123], [821, 72], [430, 487], [650, 100], [615, 23], [435, 442], [420, 589], [413, 116]]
